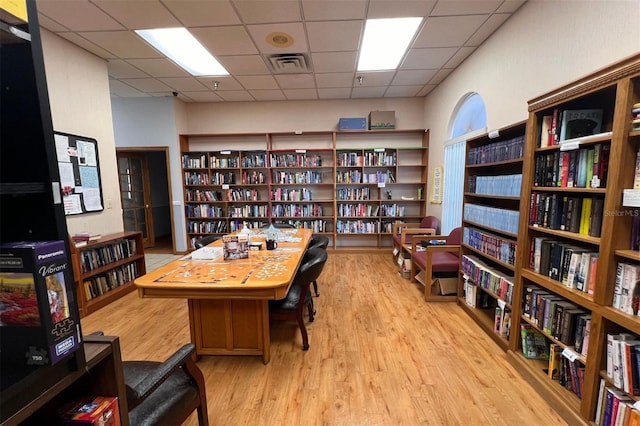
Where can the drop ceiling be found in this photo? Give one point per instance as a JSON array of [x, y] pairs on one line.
[[274, 50]]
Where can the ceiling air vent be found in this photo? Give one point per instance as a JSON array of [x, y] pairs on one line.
[[289, 63]]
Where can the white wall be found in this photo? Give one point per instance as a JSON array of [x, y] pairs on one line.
[[78, 86], [543, 46], [151, 122]]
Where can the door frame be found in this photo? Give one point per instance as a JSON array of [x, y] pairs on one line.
[[144, 151]]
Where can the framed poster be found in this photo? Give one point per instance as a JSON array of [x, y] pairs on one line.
[[436, 185], [79, 173]]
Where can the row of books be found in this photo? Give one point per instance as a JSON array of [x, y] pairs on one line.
[[101, 284], [500, 219], [635, 117], [356, 176], [216, 162], [579, 168], [353, 194], [204, 161], [250, 210], [626, 292], [287, 178], [317, 225], [511, 149], [219, 178], [475, 298], [623, 361], [557, 317], [198, 227], [502, 322], [563, 124], [357, 227], [359, 159], [615, 408], [202, 195], [295, 160], [92, 258], [392, 210], [568, 373], [358, 210], [296, 210], [493, 245], [280, 194], [497, 283], [204, 210], [196, 178], [502, 185], [254, 178], [572, 266], [581, 215]]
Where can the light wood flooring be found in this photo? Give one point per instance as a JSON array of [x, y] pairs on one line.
[[379, 355]]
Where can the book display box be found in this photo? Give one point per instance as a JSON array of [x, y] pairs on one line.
[[350, 186], [572, 289]]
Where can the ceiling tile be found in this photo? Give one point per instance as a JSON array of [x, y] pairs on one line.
[[469, 7], [402, 91], [268, 95], [413, 77], [399, 8], [433, 58], [199, 13], [252, 11], [335, 79], [462, 54], [119, 68], [300, 94], [258, 82], [426, 89], [184, 84], [116, 87], [159, 67], [296, 81], [510, 6], [146, 84], [295, 31], [139, 14], [225, 40], [331, 10], [368, 92], [244, 65], [448, 31], [335, 93], [374, 78], [224, 83], [235, 95], [124, 44], [203, 96], [440, 76], [333, 61], [50, 24], [336, 36], [492, 24], [78, 15], [87, 45]]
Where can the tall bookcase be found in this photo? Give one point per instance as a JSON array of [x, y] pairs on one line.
[[546, 234], [348, 185], [491, 209]]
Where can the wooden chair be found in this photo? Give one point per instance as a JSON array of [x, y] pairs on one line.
[[402, 232], [299, 297], [318, 241], [438, 259]]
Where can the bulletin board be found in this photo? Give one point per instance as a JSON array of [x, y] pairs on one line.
[[79, 173]]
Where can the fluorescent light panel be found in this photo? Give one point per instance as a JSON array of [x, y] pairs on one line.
[[385, 41], [182, 48]]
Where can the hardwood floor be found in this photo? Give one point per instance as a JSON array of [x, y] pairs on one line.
[[379, 355]]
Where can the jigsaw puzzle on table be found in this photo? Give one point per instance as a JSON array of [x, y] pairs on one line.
[[267, 266]]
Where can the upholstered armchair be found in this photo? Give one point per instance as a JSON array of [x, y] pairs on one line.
[[403, 232], [437, 259]]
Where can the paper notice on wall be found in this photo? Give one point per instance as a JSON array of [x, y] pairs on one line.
[[72, 204], [91, 197]]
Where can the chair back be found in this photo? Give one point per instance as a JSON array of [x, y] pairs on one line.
[[311, 267], [431, 222], [321, 241], [283, 226], [455, 237], [205, 241]]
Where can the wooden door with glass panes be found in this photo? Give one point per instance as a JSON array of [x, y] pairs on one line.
[[135, 194]]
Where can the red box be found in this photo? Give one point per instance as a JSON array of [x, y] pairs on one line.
[[96, 411]]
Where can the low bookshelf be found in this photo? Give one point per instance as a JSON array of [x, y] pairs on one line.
[[104, 269]]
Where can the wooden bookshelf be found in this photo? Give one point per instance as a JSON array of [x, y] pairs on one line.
[[493, 173], [104, 269], [614, 90], [349, 186]]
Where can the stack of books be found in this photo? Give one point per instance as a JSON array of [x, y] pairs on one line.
[[82, 238]]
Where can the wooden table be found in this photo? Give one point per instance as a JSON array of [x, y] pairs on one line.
[[228, 300]]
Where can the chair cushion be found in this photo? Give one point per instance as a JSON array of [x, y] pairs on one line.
[[442, 261], [169, 404], [289, 303]]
